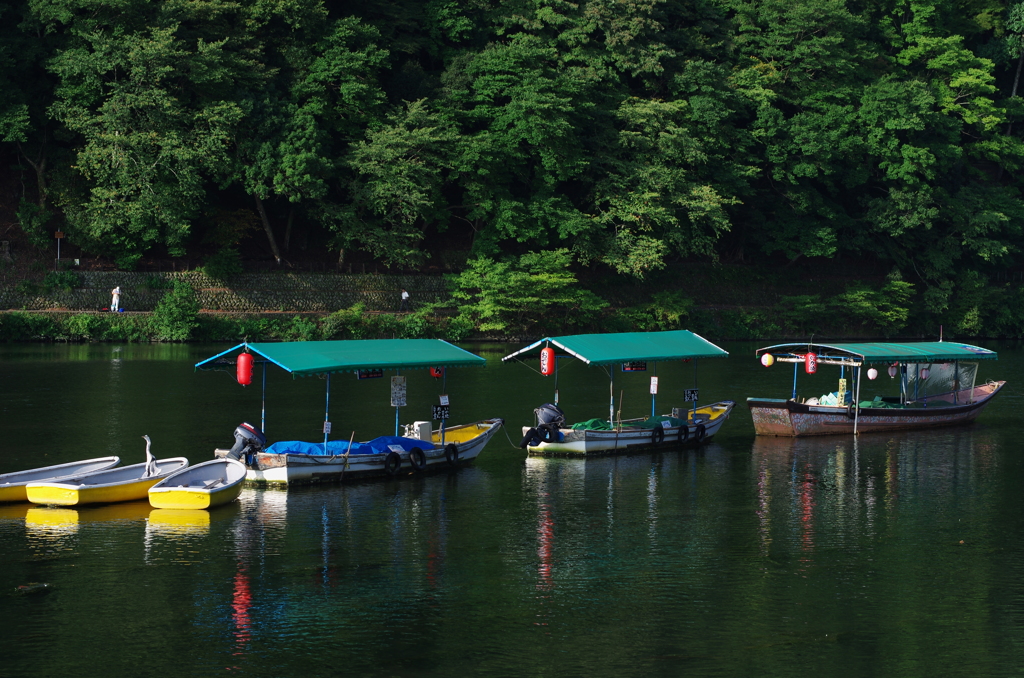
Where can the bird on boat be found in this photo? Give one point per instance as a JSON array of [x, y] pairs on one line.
[[151, 467]]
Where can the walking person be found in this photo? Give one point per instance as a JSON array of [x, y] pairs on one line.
[[404, 306], [115, 302]]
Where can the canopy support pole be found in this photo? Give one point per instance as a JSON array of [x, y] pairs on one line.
[[611, 395], [695, 384], [327, 410], [856, 405], [397, 373], [794, 380], [263, 412], [654, 395], [956, 381]]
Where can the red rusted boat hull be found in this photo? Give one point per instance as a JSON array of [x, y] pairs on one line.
[[789, 418]]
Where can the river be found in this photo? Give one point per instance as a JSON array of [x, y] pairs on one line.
[[887, 555]]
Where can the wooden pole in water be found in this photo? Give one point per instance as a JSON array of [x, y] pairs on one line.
[[347, 450]]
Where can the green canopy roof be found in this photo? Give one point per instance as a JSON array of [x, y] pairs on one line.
[[608, 349], [303, 358], [920, 352]]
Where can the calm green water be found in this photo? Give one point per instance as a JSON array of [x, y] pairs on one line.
[[891, 555]]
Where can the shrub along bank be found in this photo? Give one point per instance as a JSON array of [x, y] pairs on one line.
[[539, 295]]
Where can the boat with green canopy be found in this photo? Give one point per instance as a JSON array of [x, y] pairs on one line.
[[937, 386], [414, 448], [689, 423]]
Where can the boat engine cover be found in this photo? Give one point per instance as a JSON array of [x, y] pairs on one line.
[[550, 414], [248, 440]]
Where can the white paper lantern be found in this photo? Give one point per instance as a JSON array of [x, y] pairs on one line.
[[892, 370], [872, 374], [924, 373], [767, 360]]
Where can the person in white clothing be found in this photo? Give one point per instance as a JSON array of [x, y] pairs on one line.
[[115, 302], [404, 306]]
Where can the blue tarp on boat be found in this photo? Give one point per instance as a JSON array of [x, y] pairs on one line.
[[338, 447]]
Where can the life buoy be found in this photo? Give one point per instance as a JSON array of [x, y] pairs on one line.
[[531, 439], [417, 459], [548, 433], [684, 433], [657, 435], [392, 462], [700, 433], [451, 454]]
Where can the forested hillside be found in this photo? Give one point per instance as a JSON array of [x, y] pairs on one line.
[[632, 134]]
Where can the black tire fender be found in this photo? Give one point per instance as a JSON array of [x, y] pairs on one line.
[[684, 433], [657, 435], [701, 432], [418, 459], [451, 454], [392, 463], [548, 433]]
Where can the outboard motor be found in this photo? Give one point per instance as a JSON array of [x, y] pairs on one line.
[[549, 419], [248, 441], [550, 414]]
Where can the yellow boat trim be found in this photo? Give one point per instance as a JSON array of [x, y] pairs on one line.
[[461, 434], [13, 493], [183, 498], [71, 495]]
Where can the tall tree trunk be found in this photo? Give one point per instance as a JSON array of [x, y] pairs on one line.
[[39, 165], [288, 227], [266, 227]]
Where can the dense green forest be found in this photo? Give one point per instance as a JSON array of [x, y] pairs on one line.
[[512, 137]]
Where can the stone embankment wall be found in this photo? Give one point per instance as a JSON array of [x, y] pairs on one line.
[[246, 293]]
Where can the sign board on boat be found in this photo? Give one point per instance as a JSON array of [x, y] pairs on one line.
[[369, 374], [327, 427], [690, 395], [635, 366], [439, 412], [654, 386], [397, 391], [444, 400]]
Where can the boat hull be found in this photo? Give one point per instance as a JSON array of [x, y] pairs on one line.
[[103, 487], [788, 418], [203, 486], [626, 440], [299, 469], [12, 485]]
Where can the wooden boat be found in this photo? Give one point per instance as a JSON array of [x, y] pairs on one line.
[[629, 352], [415, 448], [937, 387], [12, 485], [206, 485], [126, 483]]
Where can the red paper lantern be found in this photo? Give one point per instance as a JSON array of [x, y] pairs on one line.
[[243, 369], [437, 372], [811, 363], [547, 361]]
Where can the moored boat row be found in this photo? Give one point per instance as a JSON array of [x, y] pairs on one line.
[[937, 387]]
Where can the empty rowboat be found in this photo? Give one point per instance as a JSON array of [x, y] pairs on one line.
[[211, 483], [12, 485]]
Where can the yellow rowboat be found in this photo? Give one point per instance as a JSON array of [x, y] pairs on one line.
[[12, 485], [202, 486], [128, 483]]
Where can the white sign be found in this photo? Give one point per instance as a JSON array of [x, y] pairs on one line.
[[444, 400], [397, 391], [654, 386], [327, 427], [396, 448]]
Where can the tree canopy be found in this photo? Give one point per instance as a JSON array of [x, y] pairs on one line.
[[623, 135]]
